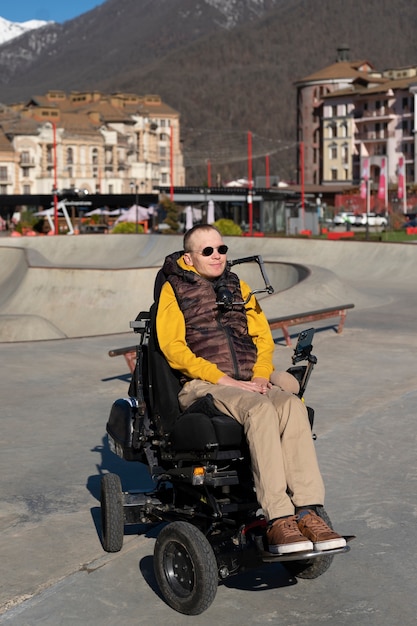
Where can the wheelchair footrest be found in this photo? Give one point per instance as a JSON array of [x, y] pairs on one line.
[[268, 557]]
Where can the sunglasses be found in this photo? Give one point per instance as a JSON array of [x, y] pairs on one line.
[[209, 250]]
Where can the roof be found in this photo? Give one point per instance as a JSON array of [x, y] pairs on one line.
[[79, 113], [384, 85], [340, 71], [5, 145]]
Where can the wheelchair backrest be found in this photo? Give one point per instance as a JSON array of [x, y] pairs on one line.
[[163, 382]]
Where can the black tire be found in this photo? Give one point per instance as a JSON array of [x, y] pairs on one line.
[[112, 515], [312, 568], [185, 568]]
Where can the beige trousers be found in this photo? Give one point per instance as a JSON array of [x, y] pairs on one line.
[[284, 461]]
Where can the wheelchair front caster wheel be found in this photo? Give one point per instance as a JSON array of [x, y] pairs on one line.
[[112, 516], [185, 568]]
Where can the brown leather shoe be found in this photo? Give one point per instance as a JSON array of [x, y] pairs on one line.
[[315, 529], [284, 536]]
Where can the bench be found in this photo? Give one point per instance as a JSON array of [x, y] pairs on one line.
[[129, 352], [310, 316]]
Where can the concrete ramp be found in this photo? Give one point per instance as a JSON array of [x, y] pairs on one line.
[[13, 267], [57, 287]]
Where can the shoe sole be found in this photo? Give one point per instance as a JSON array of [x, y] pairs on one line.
[[301, 546], [331, 544]]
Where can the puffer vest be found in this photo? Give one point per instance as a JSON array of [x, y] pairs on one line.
[[213, 332]]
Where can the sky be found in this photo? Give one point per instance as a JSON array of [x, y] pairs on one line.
[[56, 11]]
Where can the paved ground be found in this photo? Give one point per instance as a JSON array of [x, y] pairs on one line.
[[55, 399]]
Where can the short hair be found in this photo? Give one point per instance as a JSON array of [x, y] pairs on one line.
[[188, 235]]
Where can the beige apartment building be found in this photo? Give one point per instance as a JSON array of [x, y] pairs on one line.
[[349, 114], [110, 144]]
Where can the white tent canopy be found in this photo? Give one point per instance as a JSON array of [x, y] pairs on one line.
[[98, 212], [135, 213]]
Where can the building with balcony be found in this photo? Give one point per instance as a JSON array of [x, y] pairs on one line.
[[90, 141], [348, 113]]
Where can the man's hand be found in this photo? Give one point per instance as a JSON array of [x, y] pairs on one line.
[[259, 385]]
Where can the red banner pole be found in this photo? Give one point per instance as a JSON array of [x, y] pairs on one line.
[[250, 204], [55, 190], [267, 179], [171, 164], [302, 182]]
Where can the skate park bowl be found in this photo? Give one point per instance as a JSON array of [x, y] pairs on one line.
[[91, 285]]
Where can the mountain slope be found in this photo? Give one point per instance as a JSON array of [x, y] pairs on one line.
[[228, 66], [11, 30]]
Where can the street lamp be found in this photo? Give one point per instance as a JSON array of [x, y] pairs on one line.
[[368, 204], [134, 186]]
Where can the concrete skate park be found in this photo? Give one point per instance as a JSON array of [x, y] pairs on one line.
[[66, 301]]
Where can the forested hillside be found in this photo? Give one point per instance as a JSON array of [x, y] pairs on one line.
[[224, 79]]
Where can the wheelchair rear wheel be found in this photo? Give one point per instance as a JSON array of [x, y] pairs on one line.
[[185, 568], [112, 515]]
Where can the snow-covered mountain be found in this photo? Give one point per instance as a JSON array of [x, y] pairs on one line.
[[10, 30]]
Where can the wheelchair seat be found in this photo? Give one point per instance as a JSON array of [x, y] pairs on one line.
[[200, 428]]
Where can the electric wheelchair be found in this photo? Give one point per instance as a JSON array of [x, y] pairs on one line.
[[203, 487]]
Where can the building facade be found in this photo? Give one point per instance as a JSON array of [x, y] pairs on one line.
[[351, 118], [110, 144]]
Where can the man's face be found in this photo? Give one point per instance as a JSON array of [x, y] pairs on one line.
[[209, 267]]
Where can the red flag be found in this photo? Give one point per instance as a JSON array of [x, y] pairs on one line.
[[382, 188], [401, 178], [365, 177]]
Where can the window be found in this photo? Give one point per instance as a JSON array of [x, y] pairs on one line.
[[25, 172], [108, 156], [25, 157], [334, 174], [333, 151], [3, 173], [332, 129], [345, 154], [94, 156], [26, 190], [70, 156]]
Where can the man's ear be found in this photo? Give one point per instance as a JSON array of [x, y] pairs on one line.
[[187, 259]]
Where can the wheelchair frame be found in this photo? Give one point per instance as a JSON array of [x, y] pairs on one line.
[[214, 525]]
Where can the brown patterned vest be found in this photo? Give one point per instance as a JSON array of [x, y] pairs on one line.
[[213, 333]]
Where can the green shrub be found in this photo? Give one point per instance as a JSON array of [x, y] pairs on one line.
[[228, 227], [27, 220], [127, 228], [173, 212]]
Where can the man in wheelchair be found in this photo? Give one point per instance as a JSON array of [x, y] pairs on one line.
[[214, 333]]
